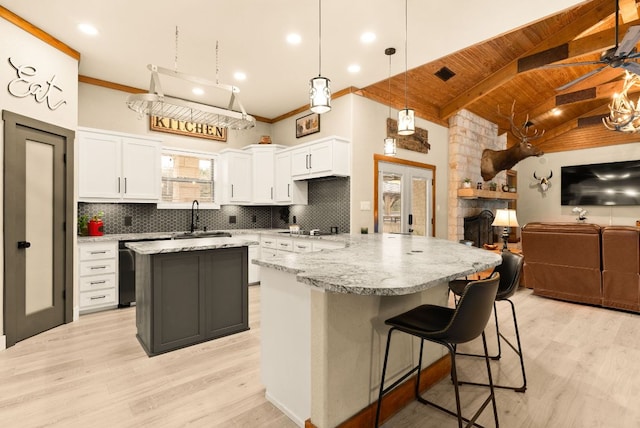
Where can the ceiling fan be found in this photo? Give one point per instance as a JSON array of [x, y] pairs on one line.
[[622, 55]]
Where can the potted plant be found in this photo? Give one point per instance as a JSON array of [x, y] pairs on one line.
[[493, 186], [466, 183], [96, 225], [83, 222]]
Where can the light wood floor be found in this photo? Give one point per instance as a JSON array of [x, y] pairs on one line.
[[582, 366]]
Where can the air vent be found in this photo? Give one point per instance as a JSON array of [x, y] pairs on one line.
[[445, 74]]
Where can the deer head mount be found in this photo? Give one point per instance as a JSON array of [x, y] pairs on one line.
[[494, 161], [543, 182]]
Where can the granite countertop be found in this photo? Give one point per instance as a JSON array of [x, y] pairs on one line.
[[384, 265], [181, 245]]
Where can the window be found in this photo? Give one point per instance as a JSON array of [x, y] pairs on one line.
[[187, 176]]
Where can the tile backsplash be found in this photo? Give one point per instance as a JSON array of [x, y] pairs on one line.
[[328, 206]]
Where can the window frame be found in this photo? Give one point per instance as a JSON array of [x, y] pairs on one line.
[[215, 158]]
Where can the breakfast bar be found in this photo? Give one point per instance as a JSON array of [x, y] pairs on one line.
[[322, 318]]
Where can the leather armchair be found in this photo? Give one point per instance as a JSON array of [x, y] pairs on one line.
[[621, 267], [563, 261]]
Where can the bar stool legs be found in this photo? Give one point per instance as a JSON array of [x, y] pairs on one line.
[[452, 353]]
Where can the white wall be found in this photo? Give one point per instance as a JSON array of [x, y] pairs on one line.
[[536, 206], [25, 49], [105, 108]]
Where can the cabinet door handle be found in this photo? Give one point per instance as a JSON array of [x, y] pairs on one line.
[[118, 184], [232, 190], [97, 267], [98, 297], [98, 282], [98, 252], [125, 185], [306, 161], [288, 190], [272, 193], [310, 162]]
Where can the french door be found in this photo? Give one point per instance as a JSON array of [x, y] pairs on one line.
[[405, 199]]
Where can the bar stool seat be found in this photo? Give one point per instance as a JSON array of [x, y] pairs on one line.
[[447, 327]]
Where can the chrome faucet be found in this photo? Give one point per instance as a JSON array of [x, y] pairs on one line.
[[196, 211]]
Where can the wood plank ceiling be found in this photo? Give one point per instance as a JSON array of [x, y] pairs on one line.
[[498, 72]]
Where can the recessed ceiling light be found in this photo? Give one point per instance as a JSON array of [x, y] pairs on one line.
[[239, 75], [367, 37], [353, 68], [88, 29], [294, 39], [198, 91]]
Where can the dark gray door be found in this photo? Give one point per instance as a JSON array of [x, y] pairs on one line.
[[35, 240]]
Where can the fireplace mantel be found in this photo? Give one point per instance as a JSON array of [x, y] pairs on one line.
[[467, 193]]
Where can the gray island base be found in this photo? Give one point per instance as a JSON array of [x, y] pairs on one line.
[[322, 319], [190, 291]]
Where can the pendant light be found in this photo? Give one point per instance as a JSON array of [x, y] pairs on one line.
[[319, 87], [389, 142], [406, 117]]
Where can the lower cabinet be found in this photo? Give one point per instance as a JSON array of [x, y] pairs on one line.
[[190, 297], [98, 284]]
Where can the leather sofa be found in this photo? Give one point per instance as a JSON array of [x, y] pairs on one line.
[[563, 261], [621, 267], [583, 263]]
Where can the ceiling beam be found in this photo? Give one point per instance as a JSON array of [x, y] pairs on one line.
[[601, 10], [628, 10], [596, 42]]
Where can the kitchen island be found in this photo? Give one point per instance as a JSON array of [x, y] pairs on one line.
[[322, 318], [189, 291]]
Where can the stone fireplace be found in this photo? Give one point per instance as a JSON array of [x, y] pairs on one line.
[[469, 135]]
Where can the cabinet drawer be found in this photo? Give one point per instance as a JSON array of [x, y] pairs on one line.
[[97, 267], [268, 242], [284, 244], [327, 245], [302, 246], [97, 282], [96, 298], [97, 250]]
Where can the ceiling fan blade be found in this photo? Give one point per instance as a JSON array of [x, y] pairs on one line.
[[580, 79], [629, 41], [631, 66]]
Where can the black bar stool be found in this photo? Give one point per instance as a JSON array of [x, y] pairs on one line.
[[447, 327], [510, 271]]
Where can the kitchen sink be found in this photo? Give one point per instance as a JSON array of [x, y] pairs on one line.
[[201, 234]]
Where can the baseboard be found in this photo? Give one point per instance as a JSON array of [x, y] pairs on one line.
[[299, 422], [3, 342], [397, 399]]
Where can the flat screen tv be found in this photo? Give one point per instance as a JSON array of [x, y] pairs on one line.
[[613, 183]]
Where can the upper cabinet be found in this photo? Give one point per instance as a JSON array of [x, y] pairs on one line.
[[115, 167], [321, 158], [288, 191], [236, 175]]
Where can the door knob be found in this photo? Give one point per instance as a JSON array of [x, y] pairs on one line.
[[24, 244]]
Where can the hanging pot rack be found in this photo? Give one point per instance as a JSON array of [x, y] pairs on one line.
[[155, 103]]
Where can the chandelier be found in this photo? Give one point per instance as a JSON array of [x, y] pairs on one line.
[[624, 115]]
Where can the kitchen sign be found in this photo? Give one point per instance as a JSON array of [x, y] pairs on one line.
[[189, 129]]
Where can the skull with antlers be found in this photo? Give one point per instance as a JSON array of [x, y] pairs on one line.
[[544, 181]]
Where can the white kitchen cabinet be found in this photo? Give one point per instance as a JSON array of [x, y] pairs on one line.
[[236, 167], [98, 276], [116, 167], [288, 191], [284, 245], [321, 158]]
